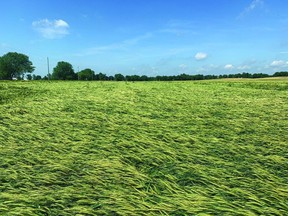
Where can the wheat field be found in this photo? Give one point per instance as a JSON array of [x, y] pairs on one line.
[[144, 148]]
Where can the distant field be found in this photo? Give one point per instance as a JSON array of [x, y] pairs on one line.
[[144, 148], [275, 78]]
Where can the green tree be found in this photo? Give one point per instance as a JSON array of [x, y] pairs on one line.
[[119, 77], [281, 73], [45, 78], [29, 77], [100, 76], [36, 77], [63, 71], [13, 65], [86, 74]]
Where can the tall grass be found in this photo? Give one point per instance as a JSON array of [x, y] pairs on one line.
[[144, 148]]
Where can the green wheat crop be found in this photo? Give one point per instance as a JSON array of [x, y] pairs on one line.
[[144, 148]]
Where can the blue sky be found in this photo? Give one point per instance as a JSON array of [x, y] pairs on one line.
[[152, 37]]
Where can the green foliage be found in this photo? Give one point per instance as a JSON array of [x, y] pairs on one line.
[[63, 71], [36, 77], [86, 74], [119, 77], [145, 148], [14, 65], [29, 77], [101, 76], [139, 78], [282, 73]]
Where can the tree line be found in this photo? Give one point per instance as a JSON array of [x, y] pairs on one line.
[[16, 65]]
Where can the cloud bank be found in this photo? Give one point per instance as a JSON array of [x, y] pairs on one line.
[[279, 63], [51, 29]]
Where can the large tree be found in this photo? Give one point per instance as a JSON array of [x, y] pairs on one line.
[[86, 74], [119, 77], [13, 65], [100, 76], [63, 71]]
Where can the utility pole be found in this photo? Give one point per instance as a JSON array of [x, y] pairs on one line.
[[78, 72], [49, 76]]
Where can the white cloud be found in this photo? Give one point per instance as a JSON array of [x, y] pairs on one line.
[[115, 46], [279, 63], [243, 67], [183, 66], [228, 66], [202, 70], [201, 56], [209, 69], [252, 6], [51, 29]]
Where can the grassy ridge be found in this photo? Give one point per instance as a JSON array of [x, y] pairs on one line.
[[171, 148]]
